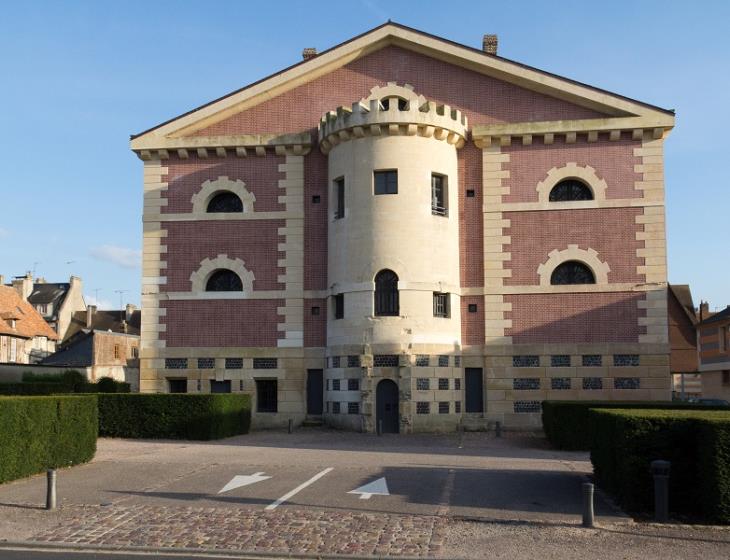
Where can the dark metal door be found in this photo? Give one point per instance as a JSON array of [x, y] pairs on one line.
[[387, 406], [220, 386], [474, 397], [315, 392]]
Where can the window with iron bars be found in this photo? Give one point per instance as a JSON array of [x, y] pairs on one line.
[[441, 304], [339, 198], [438, 195]]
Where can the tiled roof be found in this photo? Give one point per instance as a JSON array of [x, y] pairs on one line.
[[106, 320], [28, 322], [44, 293], [684, 297], [723, 315]]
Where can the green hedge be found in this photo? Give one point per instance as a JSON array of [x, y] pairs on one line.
[[37, 433], [697, 443], [46, 384], [566, 423], [174, 416]]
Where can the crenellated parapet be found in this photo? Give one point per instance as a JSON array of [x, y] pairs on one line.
[[397, 113]]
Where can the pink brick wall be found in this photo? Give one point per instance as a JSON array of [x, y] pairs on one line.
[[483, 99], [315, 326], [471, 222], [315, 221], [613, 161], [185, 177], [575, 318], [221, 323], [472, 324], [253, 241], [610, 231]]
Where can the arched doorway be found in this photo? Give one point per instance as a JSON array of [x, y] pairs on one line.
[[386, 405]]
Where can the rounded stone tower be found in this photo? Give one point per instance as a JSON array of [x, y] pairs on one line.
[[393, 247]]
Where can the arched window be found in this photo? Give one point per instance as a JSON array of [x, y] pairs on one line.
[[570, 189], [225, 201], [572, 272], [386, 293], [224, 281]]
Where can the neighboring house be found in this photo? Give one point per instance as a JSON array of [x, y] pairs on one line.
[[683, 360], [409, 232], [106, 342], [714, 352], [25, 338], [56, 302]]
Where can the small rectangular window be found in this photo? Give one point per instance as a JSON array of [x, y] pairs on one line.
[[316, 199], [422, 384], [206, 363], [353, 360], [234, 363], [441, 307], [339, 198], [626, 383], [625, 360], [526, 383], [439, 195], [353, 408], [422, 360], [457, 384], [175, 363], [472, 308], [339, 305], [386, 181], [443, 383], [443, 408], [353, 384], [116, 351], [265, 363], [457, 407], [722, 336], [266, 395], [592, 360], [592, 383], [560, 383], [335, 408], [526, 361], [560, 360], [135, 351], [527, 406], [423, 407], [335, 361], [315, 310], [335, 384], [726, 377], [385, 360], [469, 193], [443, 360]]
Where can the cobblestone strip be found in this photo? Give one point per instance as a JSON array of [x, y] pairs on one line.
[[287, 530]]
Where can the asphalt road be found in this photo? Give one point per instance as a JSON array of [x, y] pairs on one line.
[[470, 475]]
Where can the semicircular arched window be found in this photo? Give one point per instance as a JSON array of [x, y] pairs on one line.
[[572, 272], [386, 293], [386, 101], [225, 201], [224, 281], [570, 189]]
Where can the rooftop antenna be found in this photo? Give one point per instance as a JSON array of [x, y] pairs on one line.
[[121, 294], [96, 296], [34, 267]]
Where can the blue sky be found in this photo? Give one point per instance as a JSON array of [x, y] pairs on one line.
[[77, 78]]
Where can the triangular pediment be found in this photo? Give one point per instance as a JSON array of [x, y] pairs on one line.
[[609, 109]]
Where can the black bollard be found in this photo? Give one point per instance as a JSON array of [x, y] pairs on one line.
[[380, 427], [291, 425], [498, 429], [588, 515], [51, 489]]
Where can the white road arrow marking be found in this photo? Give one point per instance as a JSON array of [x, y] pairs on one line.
[[298, 489], [377, 487], [243, 480]]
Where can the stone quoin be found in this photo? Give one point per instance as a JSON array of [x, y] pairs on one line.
[[405, 234]]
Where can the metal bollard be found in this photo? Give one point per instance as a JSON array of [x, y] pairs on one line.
[[380, 427], [588, 515], [291, 425], [498, 429], [660, 470], [51, 489]]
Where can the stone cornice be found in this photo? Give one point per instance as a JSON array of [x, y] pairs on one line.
[[504, 134], [240, 145]]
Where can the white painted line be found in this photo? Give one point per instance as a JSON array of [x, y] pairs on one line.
[[377, 487], [298, 489], [243, 480]]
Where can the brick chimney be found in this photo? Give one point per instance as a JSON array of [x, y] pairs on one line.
[[489, 44], [309, 52], [90, 311], [704, 310], [23, 285]]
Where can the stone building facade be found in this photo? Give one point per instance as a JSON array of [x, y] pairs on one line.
[[407, 232]]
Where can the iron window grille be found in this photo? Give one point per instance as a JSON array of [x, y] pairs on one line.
[[423, 407], [353, 360], [570, 189], [457, 384], [353, 384], [526, 383], [457, 361], [592, 360], [176, 363], [592, 383], [386, 294], [443, 360], [560, 383], [526, 361], [206, 363], [627, 383], [570, 273], [457, 407], [335, 384], [527, 406], [444, 407], [224, 281], [423, 384], [266, 395], [439, 195], [335, 408], [385, 360], [626, 360], [225, 202], [234, 363], [441, 307], [443, 383], [386, 181], [422, 360], [561, 360], [353, 408], [340, 198], [335, 361], [265, 363]]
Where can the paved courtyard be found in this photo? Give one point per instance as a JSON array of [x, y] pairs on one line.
[[318, 492]]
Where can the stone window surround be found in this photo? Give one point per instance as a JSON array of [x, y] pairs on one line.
[[199, 278], [587, 257], [210, 188], [571, 170]]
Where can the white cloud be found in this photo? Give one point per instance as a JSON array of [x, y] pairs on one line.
[[4, 233], [122, 256], [100, 303]]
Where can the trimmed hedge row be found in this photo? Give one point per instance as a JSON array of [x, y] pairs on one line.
[[174, 416], [566, 423], [697, 444], [70, 381], [38, 433]]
